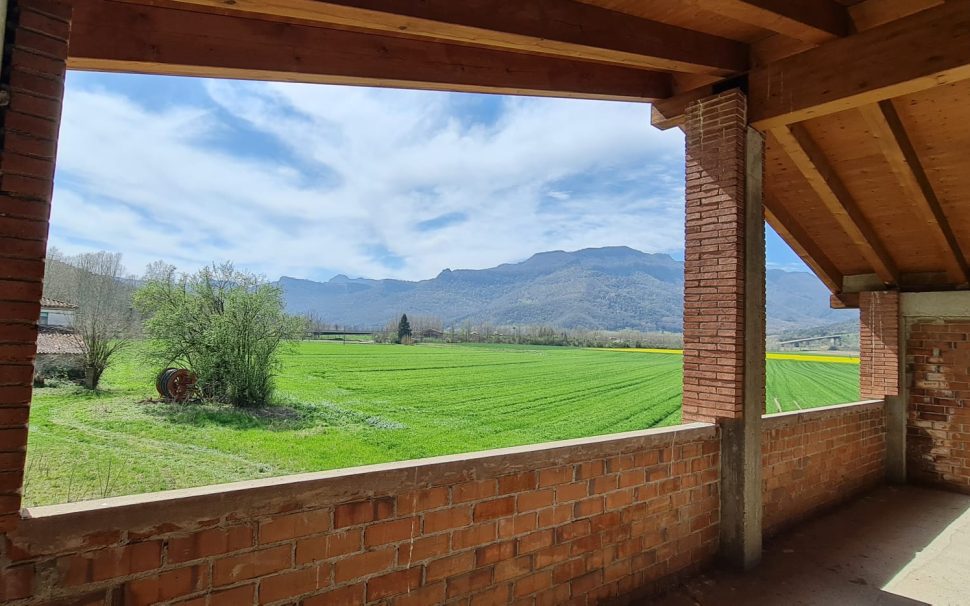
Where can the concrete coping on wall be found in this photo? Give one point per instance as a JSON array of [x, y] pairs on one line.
[[938, 305], [253, 498], [783, 419]]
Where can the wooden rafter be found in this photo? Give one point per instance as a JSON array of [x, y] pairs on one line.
[[814, 21], [862, 16], [849, 300], [804, 246], [672, 111], [161, 40], [888, 130], [921, 51], [811, 162], [865, 16], [873, 13], [551, 27]]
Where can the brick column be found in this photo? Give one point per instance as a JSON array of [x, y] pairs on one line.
[[881, 369], [714, 259], [879, 344], [35, 52], [724, 302]]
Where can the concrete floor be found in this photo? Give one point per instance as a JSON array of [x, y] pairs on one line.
[[896, 546]]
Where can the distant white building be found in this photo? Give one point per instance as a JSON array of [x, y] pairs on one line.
[[56, 313]]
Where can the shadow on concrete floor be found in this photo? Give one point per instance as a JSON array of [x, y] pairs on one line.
[[898, 545]]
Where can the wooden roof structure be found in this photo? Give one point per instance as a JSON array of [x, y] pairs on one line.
[[864, 103]]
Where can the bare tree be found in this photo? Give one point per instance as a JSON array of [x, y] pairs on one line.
[[59, 281], [105, 319]]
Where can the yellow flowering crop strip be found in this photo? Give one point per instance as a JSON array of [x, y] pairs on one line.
[[814, 358], [771, 356]]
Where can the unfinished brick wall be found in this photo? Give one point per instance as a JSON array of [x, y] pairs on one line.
[[878, 344], [816, 459], [716, 129], [938, 420], [567, 523], [33, 75]]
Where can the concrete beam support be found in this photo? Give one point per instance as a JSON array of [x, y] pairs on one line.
[[741, 469], [896, 413], [724, 300]]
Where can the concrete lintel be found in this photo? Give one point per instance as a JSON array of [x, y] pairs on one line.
[[918, 281], [935, 304], [861, 282]]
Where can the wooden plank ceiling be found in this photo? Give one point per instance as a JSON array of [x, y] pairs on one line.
[[865, 103]]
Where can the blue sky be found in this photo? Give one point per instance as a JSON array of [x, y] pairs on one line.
[[311, 181]]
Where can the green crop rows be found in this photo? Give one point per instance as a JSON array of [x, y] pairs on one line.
[[354, 404]]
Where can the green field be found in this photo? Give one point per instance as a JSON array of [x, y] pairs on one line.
[[353, 404]]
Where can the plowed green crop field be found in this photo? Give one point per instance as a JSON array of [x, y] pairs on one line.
[[353, 404]]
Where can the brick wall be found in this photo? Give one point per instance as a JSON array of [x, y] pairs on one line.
[[714, 258], [879, 344], [816, 459], [566, 523], [33, 74], [938, 420]]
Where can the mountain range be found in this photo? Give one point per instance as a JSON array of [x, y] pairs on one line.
[[611, 288]]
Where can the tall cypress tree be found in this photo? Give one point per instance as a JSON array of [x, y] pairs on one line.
[[403, 328]]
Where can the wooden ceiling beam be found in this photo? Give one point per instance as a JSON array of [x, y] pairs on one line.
[[166, 41], [873, 13], [927, 49], [672, 111], [811, 162], [867, 15], [814, 21], [888, 130], [862, 16], [804, 246], [848, 300], [563, 28]]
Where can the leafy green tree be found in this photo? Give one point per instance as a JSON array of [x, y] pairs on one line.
[[225, 325], [403, 329]]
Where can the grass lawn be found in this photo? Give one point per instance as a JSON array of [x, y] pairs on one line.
[[353, 404]]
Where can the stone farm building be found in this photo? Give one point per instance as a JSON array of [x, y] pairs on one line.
[[58, 344], [843, 123]]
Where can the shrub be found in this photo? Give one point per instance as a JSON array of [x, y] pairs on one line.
[[55, 370], [225, 325]]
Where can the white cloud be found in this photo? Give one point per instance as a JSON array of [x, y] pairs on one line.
[[411, 181]]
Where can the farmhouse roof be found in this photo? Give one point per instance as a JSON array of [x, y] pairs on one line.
[[58, 341], [55, 304]]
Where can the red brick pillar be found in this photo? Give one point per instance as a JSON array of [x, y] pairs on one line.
[[879, 344], [714, 259], [724, 302], [35, 53]]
